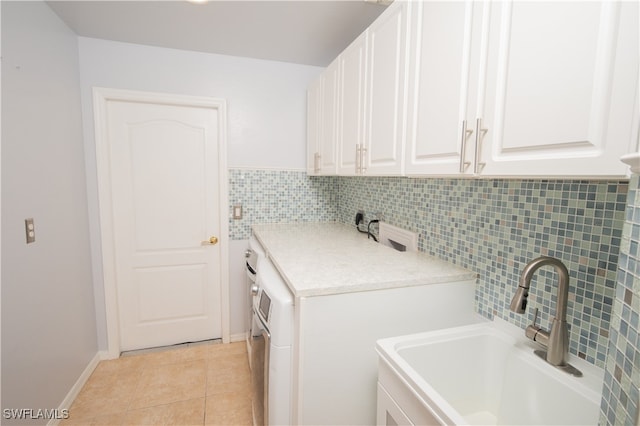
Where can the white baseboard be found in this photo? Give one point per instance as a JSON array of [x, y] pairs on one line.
[[240, 337], [77, 387]]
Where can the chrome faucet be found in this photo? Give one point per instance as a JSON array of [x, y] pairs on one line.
[[557, 340]]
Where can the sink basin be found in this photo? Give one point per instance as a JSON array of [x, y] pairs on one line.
[[484, 373]]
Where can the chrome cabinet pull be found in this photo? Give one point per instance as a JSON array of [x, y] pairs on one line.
[[363, 153], [357, 158], [463, 146], [480, 132], [316, 162]]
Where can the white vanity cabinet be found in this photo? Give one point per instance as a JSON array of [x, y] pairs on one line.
[[522, 88], [397, 404], [322, 122]]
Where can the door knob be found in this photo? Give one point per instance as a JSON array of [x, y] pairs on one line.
[[212, 241]]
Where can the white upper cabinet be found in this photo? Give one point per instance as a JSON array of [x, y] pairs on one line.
[[386, 92], [330, 110], [353, 62], [561, 80], [481, 89], [372, 97], [443, 88], [522, 88], [322, 122], [314, 109]]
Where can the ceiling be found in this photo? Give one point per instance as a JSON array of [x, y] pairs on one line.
[[302, 32]]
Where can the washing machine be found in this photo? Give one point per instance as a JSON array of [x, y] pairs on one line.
[[254, 256], [272, 337]]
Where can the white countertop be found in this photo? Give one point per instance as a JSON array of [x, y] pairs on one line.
[[330, 258]]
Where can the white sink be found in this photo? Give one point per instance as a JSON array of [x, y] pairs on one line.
[[483, 374]]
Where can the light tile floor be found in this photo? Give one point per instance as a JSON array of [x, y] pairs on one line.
[[204, 384]]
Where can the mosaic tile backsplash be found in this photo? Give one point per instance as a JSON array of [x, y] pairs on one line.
[[620, 395], [494, 227], [269, 196]]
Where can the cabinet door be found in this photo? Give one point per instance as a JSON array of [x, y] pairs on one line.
[[386, 91], [352, 96], [327, 144], [314, 96], [551, 96], [388, 411], [445, 50]]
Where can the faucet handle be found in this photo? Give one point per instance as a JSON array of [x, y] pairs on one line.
[[535, 333], [532, 330]]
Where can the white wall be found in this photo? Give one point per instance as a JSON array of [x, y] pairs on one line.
[[48, 315], [266, 104]]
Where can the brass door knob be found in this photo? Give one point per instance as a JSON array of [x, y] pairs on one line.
[[212, 241]]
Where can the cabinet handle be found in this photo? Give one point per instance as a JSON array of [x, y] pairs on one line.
[[463, 146], [316, 162], [357, 158], [480, 132], [363, 153]]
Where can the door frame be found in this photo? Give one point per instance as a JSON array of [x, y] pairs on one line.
[[101, 96]]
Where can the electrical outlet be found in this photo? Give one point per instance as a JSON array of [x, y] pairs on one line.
[[30, 230], [237, 211], [359, 217]]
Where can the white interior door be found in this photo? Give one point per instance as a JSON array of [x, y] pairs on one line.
[[163, 161]]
